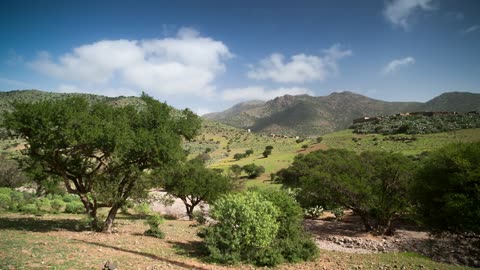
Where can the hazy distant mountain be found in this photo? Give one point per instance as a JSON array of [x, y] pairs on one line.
[[307, 115]]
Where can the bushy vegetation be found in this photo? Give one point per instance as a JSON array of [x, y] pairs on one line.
[[375, 185], [253, 171], [16, 201], [448, 190], [193, 183], [418, 124], [153, 222], [106, 149], [257, 227]]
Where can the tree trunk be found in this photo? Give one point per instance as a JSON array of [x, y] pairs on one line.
[[189, 211], [108, 224], [91, 211], [365, 220]]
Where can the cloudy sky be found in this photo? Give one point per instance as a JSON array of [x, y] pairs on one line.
[[208, 55]]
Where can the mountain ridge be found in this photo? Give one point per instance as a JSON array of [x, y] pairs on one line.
[[306, 115]]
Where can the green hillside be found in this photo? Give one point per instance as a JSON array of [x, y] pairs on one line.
[[312, 116]]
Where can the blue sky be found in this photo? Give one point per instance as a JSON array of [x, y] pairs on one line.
[[209, 55]]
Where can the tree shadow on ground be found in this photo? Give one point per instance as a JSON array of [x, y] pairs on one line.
[[148, 255], [41, 224], [191, 249]]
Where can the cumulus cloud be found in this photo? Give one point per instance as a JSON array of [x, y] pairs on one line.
[[185, 64], [202, 111], [398, 63], [299, 68], [471, 29], [398, 12], [261, 93]]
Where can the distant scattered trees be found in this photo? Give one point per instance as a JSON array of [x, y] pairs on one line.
[[100, 151], [253, 170], [268, 151]]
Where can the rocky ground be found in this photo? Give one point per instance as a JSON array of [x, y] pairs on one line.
[[349, 236]]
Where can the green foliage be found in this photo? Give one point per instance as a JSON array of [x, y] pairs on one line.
[[153, 221], [105, 149], [236, 170], [75, 207], [30, 208], [374, 184], [57, 205], [43, 204], [193, 183], [142, 209], [319, 139], [248, 152], [268, 147], [5, 201], [266, 153], [418, 124], [292, 242], [305, 146], [447, 191], [199, 217], [253, 171], [314, 212], [239, 156], [10, 174], [338, 212], [245, 230]]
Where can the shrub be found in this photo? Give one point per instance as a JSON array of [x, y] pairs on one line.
[[239, 156], [199, 217], [74, 207], [314, 212], [5, 201], [245, 230], [447, 190], [338, 212], [57, 205], [142, 209], [269, 147], [153, 221], [43, 204], [305, 146], [319, 139], [292, 242], [30, 208], [266, 153], [17, 200], [70, 198], [253, 170]]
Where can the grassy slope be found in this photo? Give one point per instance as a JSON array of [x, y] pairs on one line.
[[285, 149]]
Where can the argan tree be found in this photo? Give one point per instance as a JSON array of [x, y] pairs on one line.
[[101, 152], [193, 183], [375, 185]]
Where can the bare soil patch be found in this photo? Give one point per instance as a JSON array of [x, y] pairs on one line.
[[349, 236]]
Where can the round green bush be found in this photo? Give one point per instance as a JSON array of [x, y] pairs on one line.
[[246, 227], [57, 205], [4, 201], [74, 208], [30, 208], [43, 204]]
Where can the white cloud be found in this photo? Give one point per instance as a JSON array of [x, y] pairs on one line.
[[471, 29], [185, 64], [261, 93], [398, 12], [397, 63], [301, 67], [202, 111]]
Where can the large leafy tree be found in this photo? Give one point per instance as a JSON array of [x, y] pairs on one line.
[[374, 185], [101, 152], [193, 183], [448, 190]]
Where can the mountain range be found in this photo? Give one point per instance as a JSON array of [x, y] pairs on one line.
[[306, 115]]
